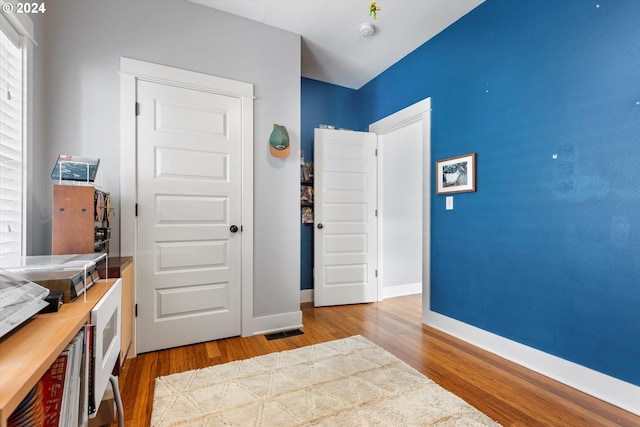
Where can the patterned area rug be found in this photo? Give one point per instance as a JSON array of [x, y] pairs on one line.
[[347, 382]]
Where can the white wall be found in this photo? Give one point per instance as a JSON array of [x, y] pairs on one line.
[[401, 203], [84, 43]]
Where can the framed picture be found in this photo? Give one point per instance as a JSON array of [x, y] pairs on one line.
[[456, 175]]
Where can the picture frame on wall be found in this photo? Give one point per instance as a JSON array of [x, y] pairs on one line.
[[456, 174]]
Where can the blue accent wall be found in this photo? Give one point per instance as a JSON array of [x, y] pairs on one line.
[[546, 252], [327, 104]]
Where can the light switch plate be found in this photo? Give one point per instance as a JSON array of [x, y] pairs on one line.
[[449, 203]]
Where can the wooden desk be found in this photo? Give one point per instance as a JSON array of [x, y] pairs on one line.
[[27, 352]]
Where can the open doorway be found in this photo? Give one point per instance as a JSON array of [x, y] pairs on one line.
[[404, 157], [394, 254]]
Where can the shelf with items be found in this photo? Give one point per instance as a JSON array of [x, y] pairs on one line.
[[307, 215], [306, 191], [306, 171], [306, 202], [103, 211], [306, 195], [306, 212], [80, 219], [28, 352]]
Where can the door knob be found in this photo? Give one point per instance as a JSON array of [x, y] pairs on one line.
[[320, 226], [233, 229]]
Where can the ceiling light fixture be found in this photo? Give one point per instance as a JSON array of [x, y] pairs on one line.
[[366, 29]]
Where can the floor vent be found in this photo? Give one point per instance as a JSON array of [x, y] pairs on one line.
[[284, 334]]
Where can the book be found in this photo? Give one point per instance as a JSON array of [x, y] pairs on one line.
[[92, 369], [52, 383], [58, 399], [30, 411], [72, 388]]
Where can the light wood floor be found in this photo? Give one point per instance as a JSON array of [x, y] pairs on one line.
[[508, 393]]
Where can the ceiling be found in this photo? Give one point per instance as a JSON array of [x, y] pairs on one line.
[[332, 49]]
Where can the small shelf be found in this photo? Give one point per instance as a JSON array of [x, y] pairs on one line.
[[306, 193], [306, 199]]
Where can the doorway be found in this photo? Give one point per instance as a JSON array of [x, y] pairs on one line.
[[401, 202], [196, 119], [404, 156]]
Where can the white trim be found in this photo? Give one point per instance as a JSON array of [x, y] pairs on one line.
[[402, 290], [9, 30], [27, 139], [19, 23], [306, 295], [380, 206], [402, 118], [277, 323], [128, 182], [420, 111], [247, 215], [594, 383], [169, 75], [132, 70]]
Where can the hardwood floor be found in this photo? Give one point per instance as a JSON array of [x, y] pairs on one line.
[[508, 393]]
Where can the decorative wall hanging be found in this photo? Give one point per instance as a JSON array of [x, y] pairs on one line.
[[279, 142], [456, 175], [373, 10]]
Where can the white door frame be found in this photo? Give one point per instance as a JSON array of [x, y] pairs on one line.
[[131, 71], [420, 111]]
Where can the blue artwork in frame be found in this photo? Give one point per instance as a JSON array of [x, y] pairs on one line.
[[456, 175]]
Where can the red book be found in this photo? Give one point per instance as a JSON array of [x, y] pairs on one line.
[[52, 391]]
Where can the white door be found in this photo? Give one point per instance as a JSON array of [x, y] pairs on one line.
[[189, 205], [345, 238]]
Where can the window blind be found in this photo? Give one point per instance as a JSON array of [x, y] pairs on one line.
[[11, 148]]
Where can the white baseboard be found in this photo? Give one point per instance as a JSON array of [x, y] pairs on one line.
[[277, 323], [594, 383], [402, 290], [306, 295]]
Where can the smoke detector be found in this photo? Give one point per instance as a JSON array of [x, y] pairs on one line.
[[366, 29]]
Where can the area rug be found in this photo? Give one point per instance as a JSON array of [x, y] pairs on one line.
[[347, 382]]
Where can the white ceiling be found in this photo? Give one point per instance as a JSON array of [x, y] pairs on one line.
[[332, 49]]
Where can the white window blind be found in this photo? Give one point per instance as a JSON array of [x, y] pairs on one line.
[[11, 148]]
